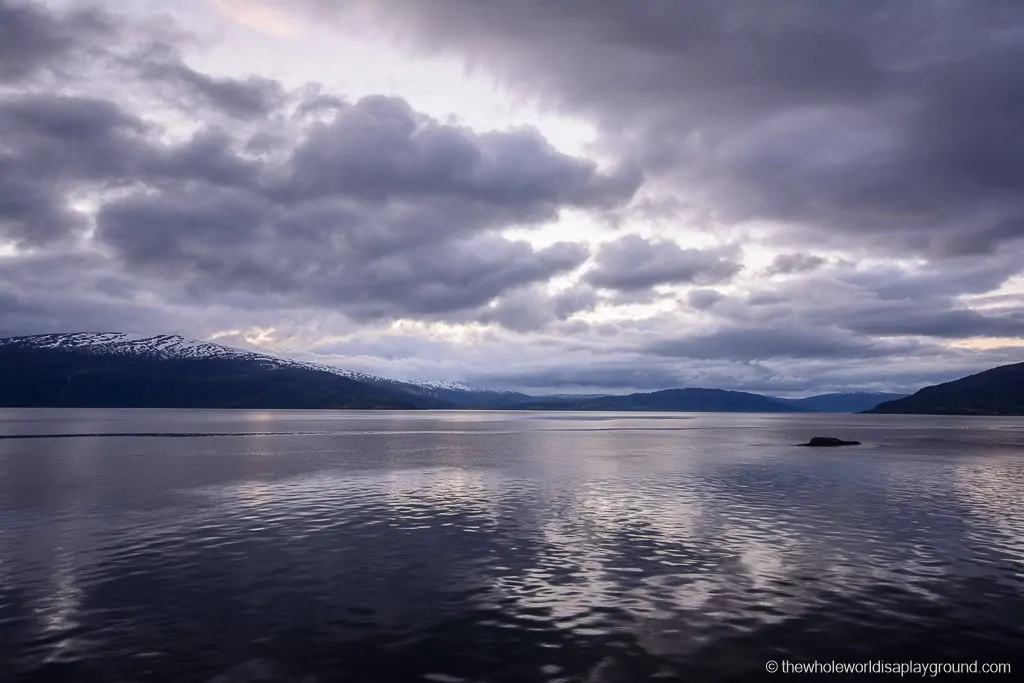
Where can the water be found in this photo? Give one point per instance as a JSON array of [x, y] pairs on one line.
[[144, 545]]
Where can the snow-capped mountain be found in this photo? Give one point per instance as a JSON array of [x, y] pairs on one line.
[[121, 344], [114, 369], [166, 346], [132, 371], [175, 347], [448, 386]]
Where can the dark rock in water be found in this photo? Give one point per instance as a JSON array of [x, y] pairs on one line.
[[829, 441]]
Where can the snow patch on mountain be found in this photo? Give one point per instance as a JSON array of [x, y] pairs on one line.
[[448, 386], [169, 347], [123, 344]]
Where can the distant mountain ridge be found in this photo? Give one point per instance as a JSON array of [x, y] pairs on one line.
[[681, 400], [114, 369], [997, 391], [851, 402]]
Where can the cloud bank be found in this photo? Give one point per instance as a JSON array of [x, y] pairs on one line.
[[792, 196]]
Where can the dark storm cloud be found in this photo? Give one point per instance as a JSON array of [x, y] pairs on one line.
[[247, 98], [380, 147], [457, 276], [34, 40], [235, 241], [529, 309], [70, 137], [369, 208], [59, 145], [50, 142], [341, 254], [892, 126], [787, 264], [952, 324], [381, 212], [32, 215], [69, 290], [765, 343], [633, 262], [881, 302], [37, 41], [139, 191], [974, 275], [632, 374], [703, 299]]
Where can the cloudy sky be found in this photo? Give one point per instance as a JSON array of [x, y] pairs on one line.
[[785, 196]]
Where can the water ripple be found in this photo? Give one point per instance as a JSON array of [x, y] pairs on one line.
[[471, 551]]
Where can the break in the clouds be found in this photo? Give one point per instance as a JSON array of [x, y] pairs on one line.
[[787, 196]]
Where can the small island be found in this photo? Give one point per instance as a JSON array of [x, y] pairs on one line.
[[828, 442]]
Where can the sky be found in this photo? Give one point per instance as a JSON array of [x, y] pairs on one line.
[[782, 196]]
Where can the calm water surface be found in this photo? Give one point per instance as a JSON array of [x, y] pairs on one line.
[[144, 545]]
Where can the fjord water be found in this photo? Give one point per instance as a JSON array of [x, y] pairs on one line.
[[142, 545]]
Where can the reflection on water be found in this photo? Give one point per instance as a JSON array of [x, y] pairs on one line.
[[991, 495], [501, 547]]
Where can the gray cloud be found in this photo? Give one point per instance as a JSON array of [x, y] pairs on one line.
[[42, 45], [787, 264], [382, 212], [371, 261], [976, 275], [247, 98], [703, 299], [623, 374], [882, 302], [32, 215], [890, 127], [62, 145], [633, 262], [803, 362], [956, 323], [70, 290], [369, 208], [765, 343], [879, 133], [530, 309], [34, 40], [379, 148], [52, 141]]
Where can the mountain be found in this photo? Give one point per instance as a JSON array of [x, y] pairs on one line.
[[681, 400], [855, 402], [164, 371], [167, 371], [999, 391], [461, 396]]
